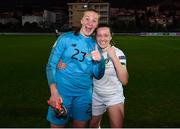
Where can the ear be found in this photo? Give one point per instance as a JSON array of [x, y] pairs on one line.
[[110, 38], [81, 21]]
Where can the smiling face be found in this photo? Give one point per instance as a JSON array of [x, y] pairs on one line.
[[89, 22], [103, 37]]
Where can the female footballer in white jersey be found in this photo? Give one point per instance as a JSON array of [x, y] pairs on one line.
[[108, 91]]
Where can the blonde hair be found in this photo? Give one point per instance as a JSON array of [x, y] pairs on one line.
[[91, 10]]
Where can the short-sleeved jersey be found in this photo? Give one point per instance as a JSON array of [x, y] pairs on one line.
[[109, 84], [74, 50]]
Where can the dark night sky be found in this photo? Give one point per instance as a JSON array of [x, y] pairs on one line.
[[45, 3]]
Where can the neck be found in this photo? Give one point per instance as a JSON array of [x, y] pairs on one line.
[[81, 32]]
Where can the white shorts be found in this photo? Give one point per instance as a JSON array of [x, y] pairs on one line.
[[101, 103]]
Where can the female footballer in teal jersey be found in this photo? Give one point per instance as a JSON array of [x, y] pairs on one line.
[[73, 85], [108, 91]]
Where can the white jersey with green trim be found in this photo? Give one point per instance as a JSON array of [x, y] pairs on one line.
[[109, 84]]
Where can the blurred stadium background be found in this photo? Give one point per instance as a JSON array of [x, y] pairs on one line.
[[123, 16], [147, 32]]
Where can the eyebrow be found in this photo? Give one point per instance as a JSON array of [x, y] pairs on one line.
[[88, 16]]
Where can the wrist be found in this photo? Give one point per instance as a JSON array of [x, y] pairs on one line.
[[114, 58], [53, 89]]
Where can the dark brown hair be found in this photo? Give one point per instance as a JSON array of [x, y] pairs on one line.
[[108, 26]]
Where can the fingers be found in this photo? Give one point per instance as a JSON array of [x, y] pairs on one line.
[[57, 104], [96, 47], [61, 65], [60, 100], [55, 99], [111, 52], [96, 56]]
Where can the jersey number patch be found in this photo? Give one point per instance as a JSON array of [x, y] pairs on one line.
[[77, 52]]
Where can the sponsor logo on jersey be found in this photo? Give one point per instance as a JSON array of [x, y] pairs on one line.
[[73, 45]]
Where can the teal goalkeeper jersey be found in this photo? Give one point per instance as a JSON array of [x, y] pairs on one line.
[[75, 51]]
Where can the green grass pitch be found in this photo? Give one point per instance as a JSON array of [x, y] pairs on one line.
[[152, 94]]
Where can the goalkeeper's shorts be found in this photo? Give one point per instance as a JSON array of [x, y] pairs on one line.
[[78, 108]]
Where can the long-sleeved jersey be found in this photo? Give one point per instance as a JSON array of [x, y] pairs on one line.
[[75, 51]]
